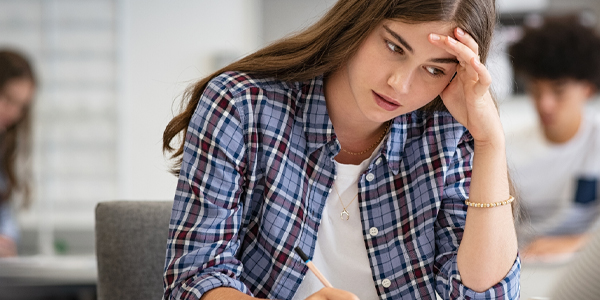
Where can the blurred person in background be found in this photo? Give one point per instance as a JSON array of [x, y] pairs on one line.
[[17, 86], [556, 163]]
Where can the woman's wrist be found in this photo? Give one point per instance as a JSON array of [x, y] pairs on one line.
[[494, 143], [489, 133], [225, 293]]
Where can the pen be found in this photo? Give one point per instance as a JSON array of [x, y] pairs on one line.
[[312, 267]]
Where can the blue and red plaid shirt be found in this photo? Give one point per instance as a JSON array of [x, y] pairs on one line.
[[258, 167]]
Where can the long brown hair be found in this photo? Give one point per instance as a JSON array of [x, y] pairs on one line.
[[328, 44], [15, 142]]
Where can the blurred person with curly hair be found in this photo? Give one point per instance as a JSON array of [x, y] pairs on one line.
[[17, 87], [556, 163]]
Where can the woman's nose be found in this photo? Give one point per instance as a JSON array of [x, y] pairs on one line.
[[400, 81]]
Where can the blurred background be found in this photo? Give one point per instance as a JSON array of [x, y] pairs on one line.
[[111, 73]]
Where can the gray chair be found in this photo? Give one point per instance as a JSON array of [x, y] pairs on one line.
[[131, 240]]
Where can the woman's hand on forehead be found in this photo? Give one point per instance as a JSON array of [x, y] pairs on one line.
[[467, 96]]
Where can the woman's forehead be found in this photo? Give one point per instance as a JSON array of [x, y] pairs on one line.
[[415, 36], [438, 27]]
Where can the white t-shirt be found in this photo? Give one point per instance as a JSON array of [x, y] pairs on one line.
[[340, 252], [557, 183]]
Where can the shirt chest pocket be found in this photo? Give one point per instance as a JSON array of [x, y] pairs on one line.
[[586, 190]]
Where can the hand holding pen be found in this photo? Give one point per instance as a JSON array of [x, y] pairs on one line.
[[327, 293]]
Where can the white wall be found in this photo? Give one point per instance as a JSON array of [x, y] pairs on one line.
[[166, 46], [520, 5], [282, 17]]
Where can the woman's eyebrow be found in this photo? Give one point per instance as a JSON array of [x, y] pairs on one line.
[[399, 39], [409, 48], [444, 60]]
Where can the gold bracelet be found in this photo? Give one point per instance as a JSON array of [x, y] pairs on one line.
[[486, 205]]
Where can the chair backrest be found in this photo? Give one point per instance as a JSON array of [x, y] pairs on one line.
[[131, 242]]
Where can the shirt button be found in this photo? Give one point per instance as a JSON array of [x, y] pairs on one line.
[[386, 283], [373, 231], [370, 176], [378, 161]]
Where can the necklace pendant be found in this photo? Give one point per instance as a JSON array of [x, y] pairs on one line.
[[345, 212]]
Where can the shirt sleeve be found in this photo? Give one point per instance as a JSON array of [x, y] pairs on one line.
[[207, 211], [449, 230]]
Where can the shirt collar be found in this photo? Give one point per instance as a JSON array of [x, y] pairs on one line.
[[396, 139], [319, 129], [317, 124]]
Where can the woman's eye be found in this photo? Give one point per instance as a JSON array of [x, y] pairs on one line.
[[434, 71], [394, 48]]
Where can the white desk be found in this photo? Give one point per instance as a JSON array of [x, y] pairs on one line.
[[38, 277], [538, 279]]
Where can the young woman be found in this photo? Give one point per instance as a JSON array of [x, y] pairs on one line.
[[358, 140], [17, 85]]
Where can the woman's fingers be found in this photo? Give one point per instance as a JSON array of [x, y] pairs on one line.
[[470, 69], [465, 69], [332, 294], [485, 79], [463, 53], [466, 39]]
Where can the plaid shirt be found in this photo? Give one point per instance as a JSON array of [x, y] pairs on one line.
[[258, 168]]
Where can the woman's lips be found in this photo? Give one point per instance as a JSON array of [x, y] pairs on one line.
[[385, 102]]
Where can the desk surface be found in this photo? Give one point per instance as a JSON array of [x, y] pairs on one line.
[[537, 279], [52, 270]]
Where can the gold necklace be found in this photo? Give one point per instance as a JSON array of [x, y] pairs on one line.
[[344, 212], [387, 126]]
